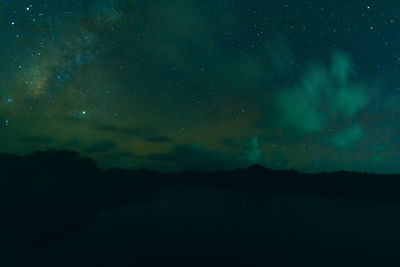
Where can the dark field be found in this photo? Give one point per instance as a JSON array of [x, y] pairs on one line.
[[61, 210]]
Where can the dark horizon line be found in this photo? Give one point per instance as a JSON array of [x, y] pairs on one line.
[[252, 166]]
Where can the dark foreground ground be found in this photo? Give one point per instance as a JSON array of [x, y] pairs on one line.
[[57, 209]]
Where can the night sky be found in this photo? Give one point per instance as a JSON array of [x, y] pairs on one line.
[[172, 85]]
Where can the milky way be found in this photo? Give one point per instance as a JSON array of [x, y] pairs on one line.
[[172, 85]]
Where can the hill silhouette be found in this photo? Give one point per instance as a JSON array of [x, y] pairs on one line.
[[48, 196]]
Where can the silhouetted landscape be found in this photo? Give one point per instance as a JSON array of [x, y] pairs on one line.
[[59, 209], [199, 133]]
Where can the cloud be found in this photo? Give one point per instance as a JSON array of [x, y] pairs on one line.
[[298, 111], [323, 95], [349, 102], [73, 144], [38, 139], [102, 146], [229, 142], [156, 138], [251, 151], [341, 67], [346, 137], [379, 147], [146, 134]]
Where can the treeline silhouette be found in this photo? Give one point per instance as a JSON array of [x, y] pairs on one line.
[[48, 195]]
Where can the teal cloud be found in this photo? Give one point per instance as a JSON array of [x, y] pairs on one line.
[[251, 151], [350, 100], [346, 137], [323, 95]]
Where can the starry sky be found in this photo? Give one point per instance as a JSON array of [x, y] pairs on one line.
[[182, 84]]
